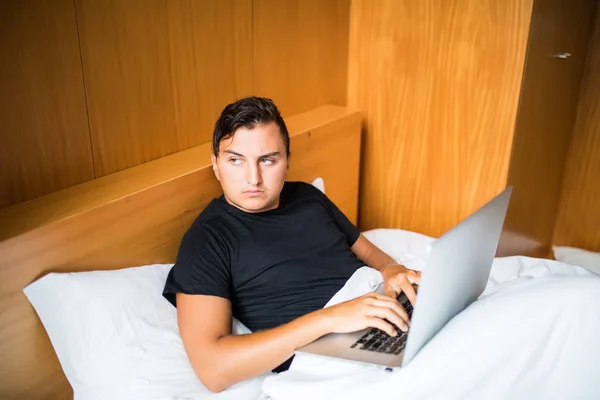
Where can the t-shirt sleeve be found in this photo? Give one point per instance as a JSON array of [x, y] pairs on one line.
[[202, 266], [343, 223]]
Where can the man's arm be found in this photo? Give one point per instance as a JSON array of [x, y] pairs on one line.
[[221, 359], [397, 278], [371, 254]]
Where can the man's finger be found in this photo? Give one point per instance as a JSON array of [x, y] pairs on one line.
[[391, 291], [392, 305], [409, 290], [375, 322], [391, 315], [414, 276]]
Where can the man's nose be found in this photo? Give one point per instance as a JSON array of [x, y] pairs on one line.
[[253, 176]]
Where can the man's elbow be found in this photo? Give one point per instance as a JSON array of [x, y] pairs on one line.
[[212, 380], [215, 387]]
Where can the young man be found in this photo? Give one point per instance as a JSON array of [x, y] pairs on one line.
[[270, 253]]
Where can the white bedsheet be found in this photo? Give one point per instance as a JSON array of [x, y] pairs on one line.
[[533, 334]]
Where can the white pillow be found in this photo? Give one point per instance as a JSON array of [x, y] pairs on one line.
[[574, 256], [319, 183], [117, 337], [406, 247]]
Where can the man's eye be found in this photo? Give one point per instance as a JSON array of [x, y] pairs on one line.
[[267, 161], [235, 161]]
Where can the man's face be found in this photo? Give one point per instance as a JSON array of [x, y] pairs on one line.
[[252, 167]]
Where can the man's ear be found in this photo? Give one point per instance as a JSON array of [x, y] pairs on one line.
[[213, 160], [288, 159]]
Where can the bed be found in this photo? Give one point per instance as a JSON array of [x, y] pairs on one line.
[[137, 217]]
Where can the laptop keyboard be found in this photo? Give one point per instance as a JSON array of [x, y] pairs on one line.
[[378, 341]]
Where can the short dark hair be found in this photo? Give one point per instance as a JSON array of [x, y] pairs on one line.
[[249, 113]]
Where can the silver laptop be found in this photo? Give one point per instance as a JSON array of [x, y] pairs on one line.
[[457, 269]]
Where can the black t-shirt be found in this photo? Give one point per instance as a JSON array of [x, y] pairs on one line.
[[273, 266]]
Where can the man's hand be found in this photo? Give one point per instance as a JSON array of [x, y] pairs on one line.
[[397, 279], [369, 311]]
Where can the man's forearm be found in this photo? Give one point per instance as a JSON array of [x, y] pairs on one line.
[[371, 254], [377, 259], [240, 357], [383, 262]]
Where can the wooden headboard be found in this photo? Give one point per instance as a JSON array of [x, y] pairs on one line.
[[136, 217]]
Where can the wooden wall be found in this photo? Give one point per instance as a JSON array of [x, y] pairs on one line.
[[301, 52], [547, 109], [438, 83], [578, 222], [158, 78], [93, 87], [44, 135]]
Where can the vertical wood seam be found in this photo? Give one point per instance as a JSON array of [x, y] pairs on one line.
[[252, 25], [85, 94]]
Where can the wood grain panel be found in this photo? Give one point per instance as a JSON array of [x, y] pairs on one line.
[[578, 221], [301, 52], [547, 109], [44, 139], [439, 86], [156, 80], [135, 217]]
